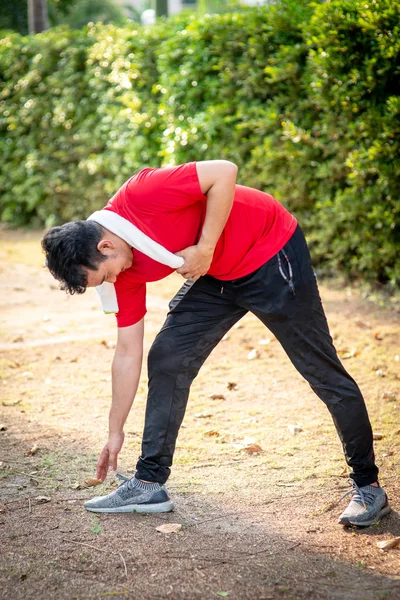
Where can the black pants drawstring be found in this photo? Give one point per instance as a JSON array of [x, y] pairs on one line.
[[289, 278]]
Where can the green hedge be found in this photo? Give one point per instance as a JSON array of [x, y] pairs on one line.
[[304, 97]]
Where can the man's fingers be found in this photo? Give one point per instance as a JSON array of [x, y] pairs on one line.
[[185, 275], [102, 464], [113, 461]]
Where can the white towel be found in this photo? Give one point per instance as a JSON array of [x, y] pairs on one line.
[[135, 238]]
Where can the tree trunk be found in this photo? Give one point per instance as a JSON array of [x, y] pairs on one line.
[[37, 16], [161, 8]]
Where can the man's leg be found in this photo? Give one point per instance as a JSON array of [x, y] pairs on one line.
[[284, 295], [291, 308], [200, 316]]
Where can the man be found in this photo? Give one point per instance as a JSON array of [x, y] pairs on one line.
[[241, 251]]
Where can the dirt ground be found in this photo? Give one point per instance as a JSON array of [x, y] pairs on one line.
[[255, 525]]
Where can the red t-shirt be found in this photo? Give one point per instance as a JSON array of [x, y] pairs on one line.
[[168, 205]]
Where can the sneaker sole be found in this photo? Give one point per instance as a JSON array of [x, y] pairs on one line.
[[384, 511], [135, 508]]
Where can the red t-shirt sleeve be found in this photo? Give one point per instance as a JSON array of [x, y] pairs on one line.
[[131, 302], [166, 189]]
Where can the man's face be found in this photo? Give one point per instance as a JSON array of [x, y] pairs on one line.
[[108, 270], [118, 258]]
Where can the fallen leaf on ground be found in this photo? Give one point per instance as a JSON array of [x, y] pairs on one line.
[[33, 450], [388, 396], [212, 433], [344, 473], [253, 354], [43, 499], [223, 594], [91, 482], [252, 449], [348, 353], [389, 544], [378, 336], [295, 429], [362, 324], [217, 397], [378, 436], [231, 385], [203, 415], [169, 528], [108, 344]]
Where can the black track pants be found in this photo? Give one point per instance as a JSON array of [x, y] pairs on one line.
[[283, 294]]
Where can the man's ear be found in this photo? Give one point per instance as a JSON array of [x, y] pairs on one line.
[[106, 246]]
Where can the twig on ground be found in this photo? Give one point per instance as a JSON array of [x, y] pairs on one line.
[[124, 563], [230, 559], [103, 594], [99, 550], [211, 519], [35, 477], [265, 550], [29, 506]]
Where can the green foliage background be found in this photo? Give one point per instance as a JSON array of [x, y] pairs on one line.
[[303, 97]]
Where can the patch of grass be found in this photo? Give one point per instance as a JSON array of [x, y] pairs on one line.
[[360, 563], [7, 471], [96, 527]]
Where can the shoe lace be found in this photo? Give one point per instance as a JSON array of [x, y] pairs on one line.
[[359, 496], [124, 480]]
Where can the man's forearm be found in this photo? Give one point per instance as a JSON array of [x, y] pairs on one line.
[[219, 204], [125, 380], [217, 180]]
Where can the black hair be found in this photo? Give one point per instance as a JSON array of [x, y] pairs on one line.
[[70, 249]]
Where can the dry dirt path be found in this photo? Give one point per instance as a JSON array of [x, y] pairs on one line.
[[254, 526]]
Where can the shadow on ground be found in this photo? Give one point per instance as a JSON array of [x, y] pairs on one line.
[[228, 546]]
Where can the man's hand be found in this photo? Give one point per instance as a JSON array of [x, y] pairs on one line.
[[197, 261], [109, 455]]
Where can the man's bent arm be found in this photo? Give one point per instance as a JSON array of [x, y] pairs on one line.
[[217, 180], [126, 368]]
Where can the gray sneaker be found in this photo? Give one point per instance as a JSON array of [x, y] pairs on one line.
[[132, 495], [367, 506]]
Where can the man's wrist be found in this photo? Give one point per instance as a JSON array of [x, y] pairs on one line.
[[205, 247], [115, 431]]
